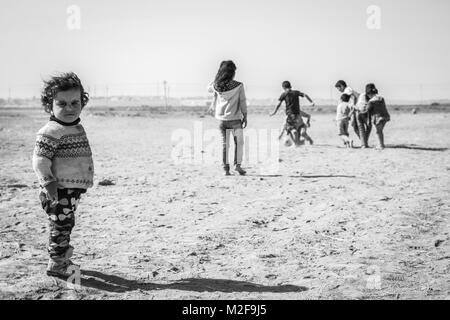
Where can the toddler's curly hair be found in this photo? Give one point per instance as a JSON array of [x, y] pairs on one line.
[[62, 82]]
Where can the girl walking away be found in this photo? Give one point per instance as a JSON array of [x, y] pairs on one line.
[[62, 160], [230, 108], [378, 112]]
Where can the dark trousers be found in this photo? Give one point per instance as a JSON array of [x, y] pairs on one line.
[[365, 127], [228, 128], [61, 218], [354, 124]]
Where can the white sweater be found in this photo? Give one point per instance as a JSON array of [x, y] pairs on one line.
[[354, 96], [229, 105]]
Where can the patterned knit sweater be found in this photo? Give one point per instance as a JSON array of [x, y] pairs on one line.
[[62, 154]]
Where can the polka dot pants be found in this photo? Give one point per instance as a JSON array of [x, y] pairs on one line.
[[61, 217]]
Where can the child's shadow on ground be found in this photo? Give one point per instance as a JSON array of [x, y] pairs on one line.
[[414, 147], [304, 176], [111, 283]]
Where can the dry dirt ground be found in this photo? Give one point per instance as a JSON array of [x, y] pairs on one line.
[[332, 223]]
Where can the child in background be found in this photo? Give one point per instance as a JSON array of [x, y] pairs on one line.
[[342, 87], [364, 120], [294, 121], [378, 112], [288, 129], [342, 120], [62, 160]]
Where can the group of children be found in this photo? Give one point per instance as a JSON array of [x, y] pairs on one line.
[[62, 157], [361, 112]]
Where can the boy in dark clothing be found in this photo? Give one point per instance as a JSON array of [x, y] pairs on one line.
[[294, 122]]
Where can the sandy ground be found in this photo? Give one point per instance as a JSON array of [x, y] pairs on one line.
[[332, 223]]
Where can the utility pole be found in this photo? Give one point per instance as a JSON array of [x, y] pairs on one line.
[[168, 94], [165, 93], [421, 94], [107, 95], [9, 95]]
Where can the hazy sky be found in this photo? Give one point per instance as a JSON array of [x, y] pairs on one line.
[[131, 45]]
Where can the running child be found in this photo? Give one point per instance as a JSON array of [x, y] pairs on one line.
[[294, 121], [289, 130], [62, 161]]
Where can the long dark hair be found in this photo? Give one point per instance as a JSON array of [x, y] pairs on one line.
[[370, 89], [225, 74]]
